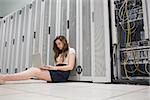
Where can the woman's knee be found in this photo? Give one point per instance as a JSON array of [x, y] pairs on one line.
[[35, 70]]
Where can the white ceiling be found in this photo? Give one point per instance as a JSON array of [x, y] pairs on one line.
[[8, 6]]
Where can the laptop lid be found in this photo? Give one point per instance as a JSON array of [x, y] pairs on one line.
[[36, 60]]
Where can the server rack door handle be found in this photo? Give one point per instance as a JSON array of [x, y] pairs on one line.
[[34, 35], [49, 30], [23, 38], [31, 6], [67, 24], [6, 44], [11, 17], [20, 12], [13, 41]]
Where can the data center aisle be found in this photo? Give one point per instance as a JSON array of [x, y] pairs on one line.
[[40, 90]]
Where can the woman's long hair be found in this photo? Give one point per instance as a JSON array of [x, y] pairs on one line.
[[57, 51]]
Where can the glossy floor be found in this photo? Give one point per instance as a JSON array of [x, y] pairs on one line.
[[40, 90]]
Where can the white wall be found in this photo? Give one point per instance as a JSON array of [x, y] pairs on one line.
[[8, 6]]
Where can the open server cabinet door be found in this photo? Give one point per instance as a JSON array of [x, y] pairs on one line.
[[131, 44]]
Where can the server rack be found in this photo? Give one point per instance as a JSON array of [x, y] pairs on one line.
[[13, 52], [29, 38], [23, 40], [52, 29], [3, 44], [92, 41], [101, 43], [11, 27], [6, 45], [130, 41], [81, 21], [36, 27], [49, 33], [1, 33], [18, 40], [73, 33]]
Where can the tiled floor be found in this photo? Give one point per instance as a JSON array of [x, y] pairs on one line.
[[40, 90]]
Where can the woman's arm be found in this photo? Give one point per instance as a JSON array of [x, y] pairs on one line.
[[70, 66]]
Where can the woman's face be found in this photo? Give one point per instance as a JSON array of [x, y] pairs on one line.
[[59, 44]]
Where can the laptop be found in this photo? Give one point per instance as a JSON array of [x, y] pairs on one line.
[[36, 60]]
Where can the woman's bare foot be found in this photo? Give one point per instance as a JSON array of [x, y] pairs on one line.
[[2, 82]]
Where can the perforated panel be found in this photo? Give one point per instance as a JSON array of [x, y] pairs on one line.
[[63, 18], [52, 30], [45, 30], [37, 30], [100, 68], [86, 38], [14, 44], [1, 29], [2, 44], [24, 34], [8, 44], [5, 45], [72, 28], [30, 33], [19, 40]]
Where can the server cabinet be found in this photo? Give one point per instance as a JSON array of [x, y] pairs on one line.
[[44, 29], [30, 11], [13, 49], [85, 41], [11, 27], [130, 31], [57, 24], [81, 21], [36, 26], [1, 33], [92, 41], [6, 45], [63, 17], [58, 16], [101, 61], [43, 6], [3, 45], [49, 35], [72, 34], [23, 39], [52, 29], [18, 40]]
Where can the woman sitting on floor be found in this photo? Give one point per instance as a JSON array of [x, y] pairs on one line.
[[64, 58]]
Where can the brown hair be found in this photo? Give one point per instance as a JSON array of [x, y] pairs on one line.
[[64, 50]]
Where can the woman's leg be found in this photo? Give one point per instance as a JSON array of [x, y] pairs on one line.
[[25, 75]]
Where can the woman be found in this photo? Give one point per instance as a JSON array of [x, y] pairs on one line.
[[64, 61]]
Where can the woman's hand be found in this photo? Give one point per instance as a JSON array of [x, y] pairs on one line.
[[48, 67], [44, 67]]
